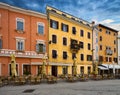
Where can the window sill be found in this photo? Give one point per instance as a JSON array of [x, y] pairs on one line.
[[40, 52], [20, 31], [40, 34]]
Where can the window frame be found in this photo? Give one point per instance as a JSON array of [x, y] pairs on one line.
[[40, 24], [54, 39], [23, 47], [64, 27], [81, 33], [20, 20], [54, 22], [64, 41], [38, 46], [54, 56]]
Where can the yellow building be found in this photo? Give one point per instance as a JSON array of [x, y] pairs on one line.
[[69, 38], [107, 46]]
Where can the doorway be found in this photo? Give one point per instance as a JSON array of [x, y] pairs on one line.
[[54, 71]]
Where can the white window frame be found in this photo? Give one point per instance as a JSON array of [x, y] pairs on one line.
[[21, 20], [24, 64], [42, 24], [41, 42], [20, 39]]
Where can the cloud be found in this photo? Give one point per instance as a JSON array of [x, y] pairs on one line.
[[107, 21], [104, 11]]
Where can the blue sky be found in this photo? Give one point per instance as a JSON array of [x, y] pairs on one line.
[[106, 12]]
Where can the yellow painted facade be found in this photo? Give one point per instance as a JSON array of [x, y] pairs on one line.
[[109, 39], [59, 47]]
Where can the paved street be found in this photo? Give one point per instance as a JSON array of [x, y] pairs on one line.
[[104, 87]]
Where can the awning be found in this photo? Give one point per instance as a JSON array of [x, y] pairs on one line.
[[102, 68], [111, 66]]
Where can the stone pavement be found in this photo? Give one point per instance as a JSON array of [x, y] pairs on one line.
[[103, 87]]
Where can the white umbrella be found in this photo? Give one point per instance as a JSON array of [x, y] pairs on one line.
[[13, 65]]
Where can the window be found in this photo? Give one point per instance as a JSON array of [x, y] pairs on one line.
[[20, 24], [100, 38], [54, 24], [100, 30], [54, 39], [40, 48], [88, 35], [65, 70], [54, 54], [100, 47], [100, 58], [114, 42], [64, 41], [96, 40], [73, 30], [64, 55], [89, 57], [107, 32], [82, 57], [73, 55], [110, 59], [81, 33], [40, 27], [26, 70], [82, 70], [0, 43], [89, 70], [20, 43], [64, 27], [115, 60], [89, 46], [81, 44], [106, 59], [114, 50]]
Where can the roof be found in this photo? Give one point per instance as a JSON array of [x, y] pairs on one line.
[[69, 16], [101, 25]]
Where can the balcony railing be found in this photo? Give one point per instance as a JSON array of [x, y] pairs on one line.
[[109, 52], [75, 47], [25, 54]]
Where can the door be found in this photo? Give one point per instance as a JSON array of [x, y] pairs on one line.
[[54, 71]]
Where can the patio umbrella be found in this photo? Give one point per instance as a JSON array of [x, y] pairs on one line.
[[96, 68], [74, 67], [44, 66], [13, 65]]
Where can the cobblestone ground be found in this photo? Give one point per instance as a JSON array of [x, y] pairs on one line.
[[104, 87]]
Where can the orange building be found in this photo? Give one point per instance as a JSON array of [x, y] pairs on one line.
[[24, 34]]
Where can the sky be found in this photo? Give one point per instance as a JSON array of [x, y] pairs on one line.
[[106, 12]]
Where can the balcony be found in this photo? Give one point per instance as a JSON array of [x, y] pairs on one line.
[[25, 54], [74, 47], [109, 52]]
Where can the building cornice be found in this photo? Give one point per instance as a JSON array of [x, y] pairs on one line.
[[68, 17], [23, 11]]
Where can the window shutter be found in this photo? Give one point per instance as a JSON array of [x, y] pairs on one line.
[[44, 48], [51, 23], [57, 24], [67, 28], [0, 43], [37, 47]]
